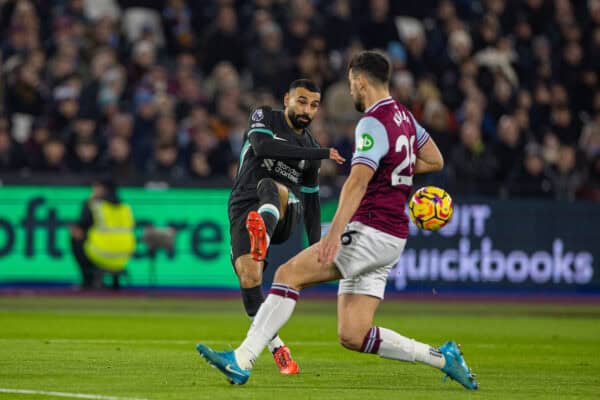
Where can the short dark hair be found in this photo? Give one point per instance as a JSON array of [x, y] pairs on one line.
[[106, 181], [374, 64], [306, 84]]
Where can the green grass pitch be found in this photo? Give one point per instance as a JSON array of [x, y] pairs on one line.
[[145, 348]]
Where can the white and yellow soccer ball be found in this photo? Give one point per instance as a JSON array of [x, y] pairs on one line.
[[430, 208]]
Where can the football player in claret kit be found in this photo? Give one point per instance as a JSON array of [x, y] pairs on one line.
[[276, 184], [364, 241]]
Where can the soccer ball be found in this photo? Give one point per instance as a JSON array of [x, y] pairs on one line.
[[430, 208]]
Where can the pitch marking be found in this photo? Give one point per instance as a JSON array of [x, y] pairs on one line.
[[63, 394]]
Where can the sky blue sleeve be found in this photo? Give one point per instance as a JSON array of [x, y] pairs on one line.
[[371, 141], [422, 134]]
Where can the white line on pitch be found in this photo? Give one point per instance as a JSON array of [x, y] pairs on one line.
[[63, 394], [154, 341]]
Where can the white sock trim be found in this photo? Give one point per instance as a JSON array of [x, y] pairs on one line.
[[270, 208]]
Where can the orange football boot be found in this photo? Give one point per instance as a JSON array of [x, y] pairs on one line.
[[258, 235], [284, 361]]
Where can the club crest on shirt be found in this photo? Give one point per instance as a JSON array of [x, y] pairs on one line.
[[257, 115]]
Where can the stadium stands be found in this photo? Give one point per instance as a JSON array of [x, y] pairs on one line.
[[161, 90]]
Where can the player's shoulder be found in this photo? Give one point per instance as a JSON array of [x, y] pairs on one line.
[[371, 123], [261, 117], [261, 114]]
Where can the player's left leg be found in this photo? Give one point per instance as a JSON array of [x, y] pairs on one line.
[[287, 224], [356, 331], [301, 271], [357, 302], [277, 215], [249, 273]]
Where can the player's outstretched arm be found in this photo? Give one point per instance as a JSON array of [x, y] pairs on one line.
[[429, 158], [265, 145]]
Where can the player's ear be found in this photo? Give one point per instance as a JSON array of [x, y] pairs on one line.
[[286, 99]]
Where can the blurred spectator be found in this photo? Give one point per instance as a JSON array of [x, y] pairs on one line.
[[118, 160], [65, 108], [24, 93], [532, 178], [298, 30], [206, 155], [589, 142], [591, 187], [269, 59], [508, 148], [144, 57], [438, 122], [86, 156], [166, 129], [102, 60], [377, 29], [474, 165], [563, 125], [413, 36], [339, 20], [120, 125], [566, 178], [34, 145], [54, 156], [550, 149], [177, 21], [164, 165], [222, 42], [11, 156]]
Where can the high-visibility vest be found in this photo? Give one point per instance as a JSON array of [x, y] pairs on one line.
[[110, 241]]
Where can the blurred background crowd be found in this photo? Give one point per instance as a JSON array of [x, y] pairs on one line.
[[161, 90]]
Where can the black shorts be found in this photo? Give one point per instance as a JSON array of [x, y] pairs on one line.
[[240, 240]]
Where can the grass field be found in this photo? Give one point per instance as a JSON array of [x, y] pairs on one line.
[[115, 348]]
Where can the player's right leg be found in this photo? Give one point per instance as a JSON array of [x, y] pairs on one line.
[[357, 332], [261, 224]]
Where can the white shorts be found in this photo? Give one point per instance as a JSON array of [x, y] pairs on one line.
[[365, 259]]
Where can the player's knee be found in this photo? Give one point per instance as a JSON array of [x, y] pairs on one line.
[[285, 275], [350, 340], [249, 277], [267, 187]]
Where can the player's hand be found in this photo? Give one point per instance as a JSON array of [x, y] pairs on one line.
[[328, 248], [335, 156]]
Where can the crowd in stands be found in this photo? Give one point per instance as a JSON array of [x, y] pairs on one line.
[[162, 90]]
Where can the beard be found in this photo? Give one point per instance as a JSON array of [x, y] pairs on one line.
[[359, 104], [300, 121]]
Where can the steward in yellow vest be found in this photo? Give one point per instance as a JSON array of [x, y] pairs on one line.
[[110, 241], [103, 239]]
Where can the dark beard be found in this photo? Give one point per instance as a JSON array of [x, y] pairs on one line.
[[295, 120], [359, 105]]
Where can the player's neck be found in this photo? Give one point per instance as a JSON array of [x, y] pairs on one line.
[[374, 95], [298, 131]]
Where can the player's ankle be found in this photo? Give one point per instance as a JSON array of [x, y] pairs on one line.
[[244, 358]]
